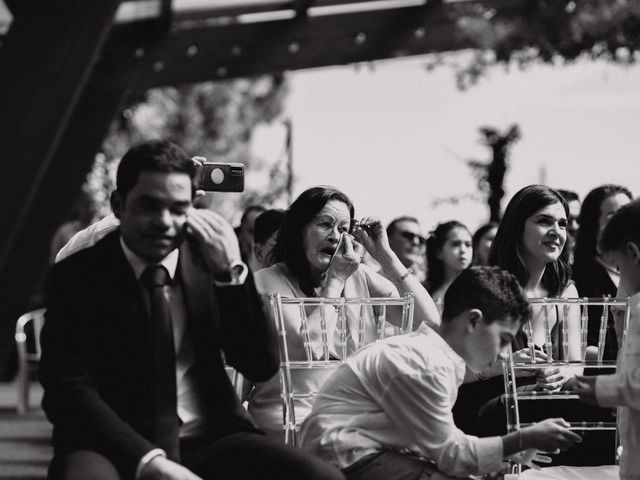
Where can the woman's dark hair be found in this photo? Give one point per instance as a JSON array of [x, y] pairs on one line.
[[289, 246], [480, 232], [624, 227], [435, 265], [507, 248], [589, 221]]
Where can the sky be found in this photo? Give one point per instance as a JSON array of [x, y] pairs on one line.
[[395, 137]]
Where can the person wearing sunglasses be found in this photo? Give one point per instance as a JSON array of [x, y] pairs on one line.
[[408, 243]]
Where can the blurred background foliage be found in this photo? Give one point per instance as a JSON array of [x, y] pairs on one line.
[[212, 119], [544, 31]]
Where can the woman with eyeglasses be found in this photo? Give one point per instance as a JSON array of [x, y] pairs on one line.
[[449, 252], [318, 253]]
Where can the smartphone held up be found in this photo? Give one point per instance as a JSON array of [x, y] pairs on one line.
[[222, 177]]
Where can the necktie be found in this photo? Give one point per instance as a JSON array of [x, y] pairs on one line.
[[165, 413]]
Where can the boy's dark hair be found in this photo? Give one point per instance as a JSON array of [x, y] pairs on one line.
[[266, 224], [495, 292], [622, 228], [152, 156]]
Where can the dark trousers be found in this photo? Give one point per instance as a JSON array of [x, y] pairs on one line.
[[238, 456], [391, 465]]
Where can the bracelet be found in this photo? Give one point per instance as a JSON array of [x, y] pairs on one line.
[[402, 277], [479, 375]]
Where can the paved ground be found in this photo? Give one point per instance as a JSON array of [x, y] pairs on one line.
[[24, 439]]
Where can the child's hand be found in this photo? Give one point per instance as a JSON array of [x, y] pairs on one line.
[[586, 388]]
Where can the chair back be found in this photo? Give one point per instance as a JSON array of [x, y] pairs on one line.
[[556, 347], [27, 336], [296, 387]]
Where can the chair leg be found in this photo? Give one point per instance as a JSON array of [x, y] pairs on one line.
[[22, 387]]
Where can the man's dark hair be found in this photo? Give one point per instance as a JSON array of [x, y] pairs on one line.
[[391, 228], [495, 292], [153, 156], [267, 223], [568, 195], [622, 228], [248, 210], [507, 248], [589, 221], [289, 247]]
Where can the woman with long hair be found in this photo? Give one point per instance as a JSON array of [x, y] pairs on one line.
[[531, 244], [449, 252], [593, 273]]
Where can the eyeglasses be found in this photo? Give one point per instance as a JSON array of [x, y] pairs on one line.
[[411, 237], [327, 224]]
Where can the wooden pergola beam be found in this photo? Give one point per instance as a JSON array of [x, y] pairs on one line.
[[45, 62]]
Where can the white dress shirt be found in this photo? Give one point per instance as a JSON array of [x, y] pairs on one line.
[[622, 389], [190, 408], [398, 394]]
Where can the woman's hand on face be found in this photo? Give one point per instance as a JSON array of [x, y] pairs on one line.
[[373, 236], [346, 259]]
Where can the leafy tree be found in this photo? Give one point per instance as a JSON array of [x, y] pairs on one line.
[[211, 119], [532, 31], [491, 175]]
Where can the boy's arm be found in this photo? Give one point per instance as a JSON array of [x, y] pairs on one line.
[[421, 407]]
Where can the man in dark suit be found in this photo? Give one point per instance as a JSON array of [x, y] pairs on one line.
[[107, 384]]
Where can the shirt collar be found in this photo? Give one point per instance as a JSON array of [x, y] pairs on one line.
[[170, 262]]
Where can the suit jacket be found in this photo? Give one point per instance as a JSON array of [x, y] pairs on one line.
[[96, 361]]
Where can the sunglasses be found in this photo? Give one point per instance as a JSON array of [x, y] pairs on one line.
[[411, 237]]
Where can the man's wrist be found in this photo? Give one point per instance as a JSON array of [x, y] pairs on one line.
[[144, 461], [236, 274]]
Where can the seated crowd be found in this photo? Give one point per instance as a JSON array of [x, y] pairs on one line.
[[147, 307]]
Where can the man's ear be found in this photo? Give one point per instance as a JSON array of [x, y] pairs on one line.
[[117, 203], [634, 251], [474, 317]]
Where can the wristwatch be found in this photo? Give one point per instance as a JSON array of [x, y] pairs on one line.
[[234, 275]]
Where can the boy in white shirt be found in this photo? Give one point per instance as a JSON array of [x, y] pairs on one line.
[[621, 241], [386, 413]]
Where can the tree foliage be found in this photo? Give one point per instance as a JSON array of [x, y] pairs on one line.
[[530, 31], [212, 119], [490, 175]]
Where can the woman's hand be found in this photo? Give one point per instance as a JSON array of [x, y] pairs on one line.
[[550, 378], [345, 260], [524, 356], [373, 236]]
